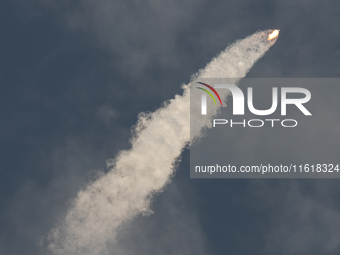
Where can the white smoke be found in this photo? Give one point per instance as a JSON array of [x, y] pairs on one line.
[[137, 174]]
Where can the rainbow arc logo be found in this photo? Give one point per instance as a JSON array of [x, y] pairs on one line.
[[204, 97], [213, 90]]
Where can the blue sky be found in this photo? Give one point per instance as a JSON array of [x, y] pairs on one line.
[[74, 76]]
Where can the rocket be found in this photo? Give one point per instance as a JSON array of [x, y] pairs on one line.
[[273, 35]]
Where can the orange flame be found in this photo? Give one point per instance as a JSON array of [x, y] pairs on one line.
[[273, 34]]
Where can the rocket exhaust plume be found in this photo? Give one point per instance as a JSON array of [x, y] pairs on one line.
[[273, 35], [136, 175]]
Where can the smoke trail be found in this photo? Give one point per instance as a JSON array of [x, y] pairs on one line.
[[137, 174]]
